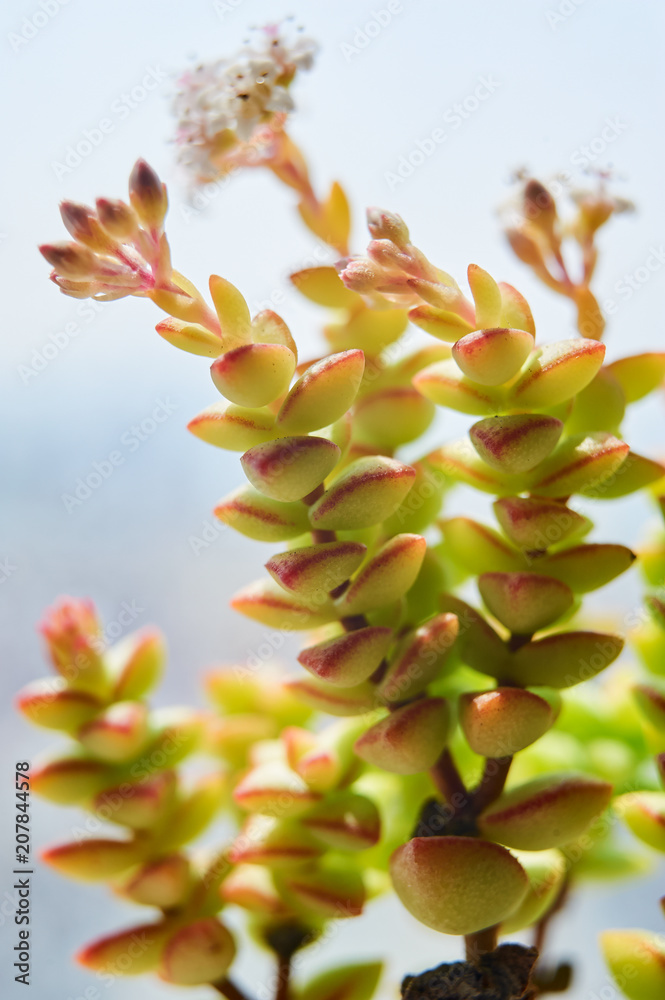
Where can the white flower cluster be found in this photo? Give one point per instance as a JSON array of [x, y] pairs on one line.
[[238, 99]]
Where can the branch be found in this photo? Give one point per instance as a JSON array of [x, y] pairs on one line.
[[229, 990], [283, 978], [492, 782], [447, 778]]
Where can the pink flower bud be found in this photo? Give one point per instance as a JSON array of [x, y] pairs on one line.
[[117, 218], [147, 195], [73, 636], [385, 225], [71, 260]]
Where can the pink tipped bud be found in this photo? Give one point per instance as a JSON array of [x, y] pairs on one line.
[[94, 859], [71, 260], [81, 223], [117, 218], [72, 633], [147, 195], [129, 953], [387, 226], [360, 275]]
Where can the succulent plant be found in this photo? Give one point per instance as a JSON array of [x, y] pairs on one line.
[[478, 758]]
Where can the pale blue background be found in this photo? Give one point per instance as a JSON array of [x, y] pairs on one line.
[[558, 83]]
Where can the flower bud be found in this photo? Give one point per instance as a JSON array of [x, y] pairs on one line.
[[117, 734], [197, 954], [639, 374], [163, 883], [147, 195], [253, 888], [276, 843], [71, 260], [330, 892], [324, 286], [385, 225], [420, 658], [546, 812], [117, 218], [499, 723], [534, 524], [93, 859], [515, 310], [492, 356], [360, 275], [587, 567], [254, 374], [393, 416], [563, 659], [233, 313], [128, 953], [445, 385], [136, 663], [73, 636], [232, 427], [266, 602], [557, 372], [525, 248], [81, 223], [386, 577], [457, 885], [525, 602], [644, 814], [274, 790], [260, 517], [315, 570], [291, 467], [440, 323], [517, 443], [335, 700], [640, 955], [581, 464], [478, 548], [190, 337], [546, 871], [323, 393], [364, 494], [348, 659], [410, 739], [345, 821], [51, 704]]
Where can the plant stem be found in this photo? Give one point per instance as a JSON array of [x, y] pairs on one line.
[[447, 778], [480, 942], [283, 978], [229, 990], [491, 783]]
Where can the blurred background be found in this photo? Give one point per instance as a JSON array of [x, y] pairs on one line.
[[567, 85]]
